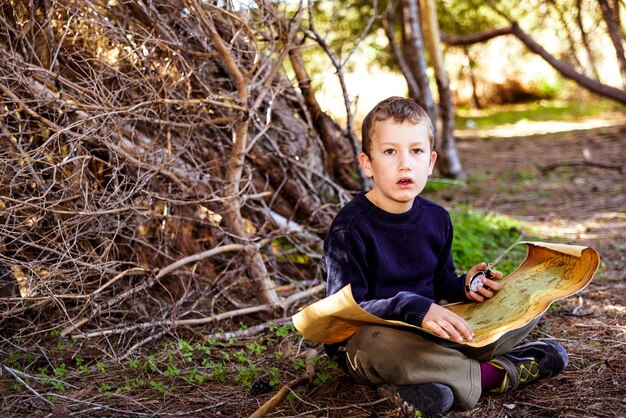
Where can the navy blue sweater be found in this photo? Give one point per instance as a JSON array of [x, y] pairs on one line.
[[397, 264]]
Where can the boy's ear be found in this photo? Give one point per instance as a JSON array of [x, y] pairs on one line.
[[433, 159], [364, 161]]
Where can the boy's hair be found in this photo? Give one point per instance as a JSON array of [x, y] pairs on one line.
[[400, 110]]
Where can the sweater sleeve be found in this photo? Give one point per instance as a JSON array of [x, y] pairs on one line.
[[346, 263], [448, 285]]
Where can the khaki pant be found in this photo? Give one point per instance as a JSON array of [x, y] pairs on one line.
[[380, 354]]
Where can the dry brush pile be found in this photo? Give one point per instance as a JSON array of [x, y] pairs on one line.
[[158, 169]]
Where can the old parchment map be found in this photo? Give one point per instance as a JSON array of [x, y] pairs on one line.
[[548, 273]]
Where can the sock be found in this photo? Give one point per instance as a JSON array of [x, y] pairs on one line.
[[490, 376]]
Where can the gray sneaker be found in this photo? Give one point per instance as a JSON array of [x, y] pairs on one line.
[[424, 400], [530, 362]]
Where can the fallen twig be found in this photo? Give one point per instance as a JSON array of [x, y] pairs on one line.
[[225, 336], [586, 161], [268, 406], [171, 323], [26, 385], [146, 284]]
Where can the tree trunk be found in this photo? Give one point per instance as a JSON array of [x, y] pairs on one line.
[[449, 162], [388, 19], [472, 77], [613, 28], [341, 160], [591, 58], [568, 33], [413, 51]]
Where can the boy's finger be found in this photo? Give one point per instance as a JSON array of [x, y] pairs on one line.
[[491, 284], [451, 331], [434, 327], [476, 296], [496, 274], [486, 293], [461, 328]]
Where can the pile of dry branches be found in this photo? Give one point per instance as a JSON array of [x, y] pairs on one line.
[[157, 169]]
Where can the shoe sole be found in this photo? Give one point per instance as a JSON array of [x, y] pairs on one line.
[[427, 399]]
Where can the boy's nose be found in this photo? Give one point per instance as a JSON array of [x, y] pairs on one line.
[[404, 163]]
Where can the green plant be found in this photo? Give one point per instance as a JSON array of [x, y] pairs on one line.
[[274, 374], [201, 347], [247, 375], [101, 367], [321, 378], [242, 357], [256, 348], [122, 389], [16, 387], [186, 350], [281, 331], [299, 364], [150, 364], [482, 237], [60, 371], [14, 358], [57, 385], [520, 175], [220, 372], [158, 386], [42, 372], [193, 376], [438, 184], [171, 371], [104, 388]]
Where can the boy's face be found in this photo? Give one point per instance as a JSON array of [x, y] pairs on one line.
[[400, 163]]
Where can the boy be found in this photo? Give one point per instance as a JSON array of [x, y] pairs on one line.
[[393, 248]]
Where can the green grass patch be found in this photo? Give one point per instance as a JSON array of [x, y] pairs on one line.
[[543, 110], [436, 184], [483, 237]]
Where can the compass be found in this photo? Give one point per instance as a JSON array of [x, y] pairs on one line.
[[476, 281]]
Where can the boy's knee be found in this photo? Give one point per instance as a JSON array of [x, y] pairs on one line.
[[370, 337]]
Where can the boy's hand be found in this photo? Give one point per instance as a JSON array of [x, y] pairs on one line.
[[489, 286], [447, 324]]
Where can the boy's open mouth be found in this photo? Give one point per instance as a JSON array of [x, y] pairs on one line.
[[405, 181]]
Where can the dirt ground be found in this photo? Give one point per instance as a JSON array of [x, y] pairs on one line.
[[574, 203]]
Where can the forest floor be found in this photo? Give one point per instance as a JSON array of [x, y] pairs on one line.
[[571, 202]]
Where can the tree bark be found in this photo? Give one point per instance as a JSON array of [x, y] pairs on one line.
[[472, 77], [413, 51], [568, 33], [613, 28], [591, 58], [341, 160], [475, 38], [388, 19], [449, 162]]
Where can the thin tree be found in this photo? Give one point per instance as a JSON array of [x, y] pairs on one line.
[[612, 25], [449, 162]]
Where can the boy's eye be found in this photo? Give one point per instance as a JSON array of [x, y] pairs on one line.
[[417, 150], [389, 151]]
